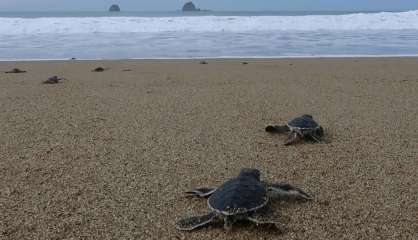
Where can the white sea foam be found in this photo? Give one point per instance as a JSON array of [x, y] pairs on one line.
[[70, 25]]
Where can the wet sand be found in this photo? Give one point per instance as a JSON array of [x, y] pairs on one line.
[[107, 155]]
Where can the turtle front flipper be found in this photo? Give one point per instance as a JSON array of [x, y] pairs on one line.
[[286, 191], [200, 192], [317, 134], [293, 138], [265, 219], [191, 223], [277, 128]]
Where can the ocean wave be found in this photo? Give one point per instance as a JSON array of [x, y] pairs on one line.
[[73, 25]]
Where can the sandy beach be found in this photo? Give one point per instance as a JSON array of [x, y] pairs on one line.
[[107, 155]]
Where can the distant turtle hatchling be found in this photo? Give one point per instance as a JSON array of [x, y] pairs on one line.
[[52, 80], [303, 127], [99, 69], [244, 197], [15, 70]]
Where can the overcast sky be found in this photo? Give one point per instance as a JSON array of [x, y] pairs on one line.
[[147, 5]]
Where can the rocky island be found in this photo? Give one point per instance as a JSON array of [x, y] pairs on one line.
[[189, 6], [114, 8]]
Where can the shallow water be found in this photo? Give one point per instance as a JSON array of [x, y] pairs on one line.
[[207, 34]]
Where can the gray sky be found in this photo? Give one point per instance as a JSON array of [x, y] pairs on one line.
[[146, 5]]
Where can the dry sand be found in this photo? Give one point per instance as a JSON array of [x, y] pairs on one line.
[[107, 155]]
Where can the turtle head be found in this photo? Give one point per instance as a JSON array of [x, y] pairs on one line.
[[319, 131], [250, 172], [307, 116]]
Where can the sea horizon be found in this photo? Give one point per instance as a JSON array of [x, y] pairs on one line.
[[180, 13]]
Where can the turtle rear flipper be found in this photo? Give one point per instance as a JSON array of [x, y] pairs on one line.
[[277, 128], [265, 219], [200, 192], [293, 138], [191, 223]]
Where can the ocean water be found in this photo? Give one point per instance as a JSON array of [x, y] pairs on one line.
[[96, 35]]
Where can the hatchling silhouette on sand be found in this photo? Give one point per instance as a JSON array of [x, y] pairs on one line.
[[303, 127], [52, 80], [100, 69], [15, 70], [244, 197]]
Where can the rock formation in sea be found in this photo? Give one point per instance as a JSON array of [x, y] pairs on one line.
[[189, 6], [114, 8]]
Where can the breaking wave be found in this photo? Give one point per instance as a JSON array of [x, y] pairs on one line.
[[75, 25]]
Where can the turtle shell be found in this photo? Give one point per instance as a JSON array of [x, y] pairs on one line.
[[238, 195], [303, 122]]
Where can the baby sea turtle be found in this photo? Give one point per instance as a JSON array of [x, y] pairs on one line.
[[244, 197], [99, 69], [52, 80], [303, 127], [15, 70]]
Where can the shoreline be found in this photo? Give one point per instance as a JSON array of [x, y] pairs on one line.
[[222, 58]]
